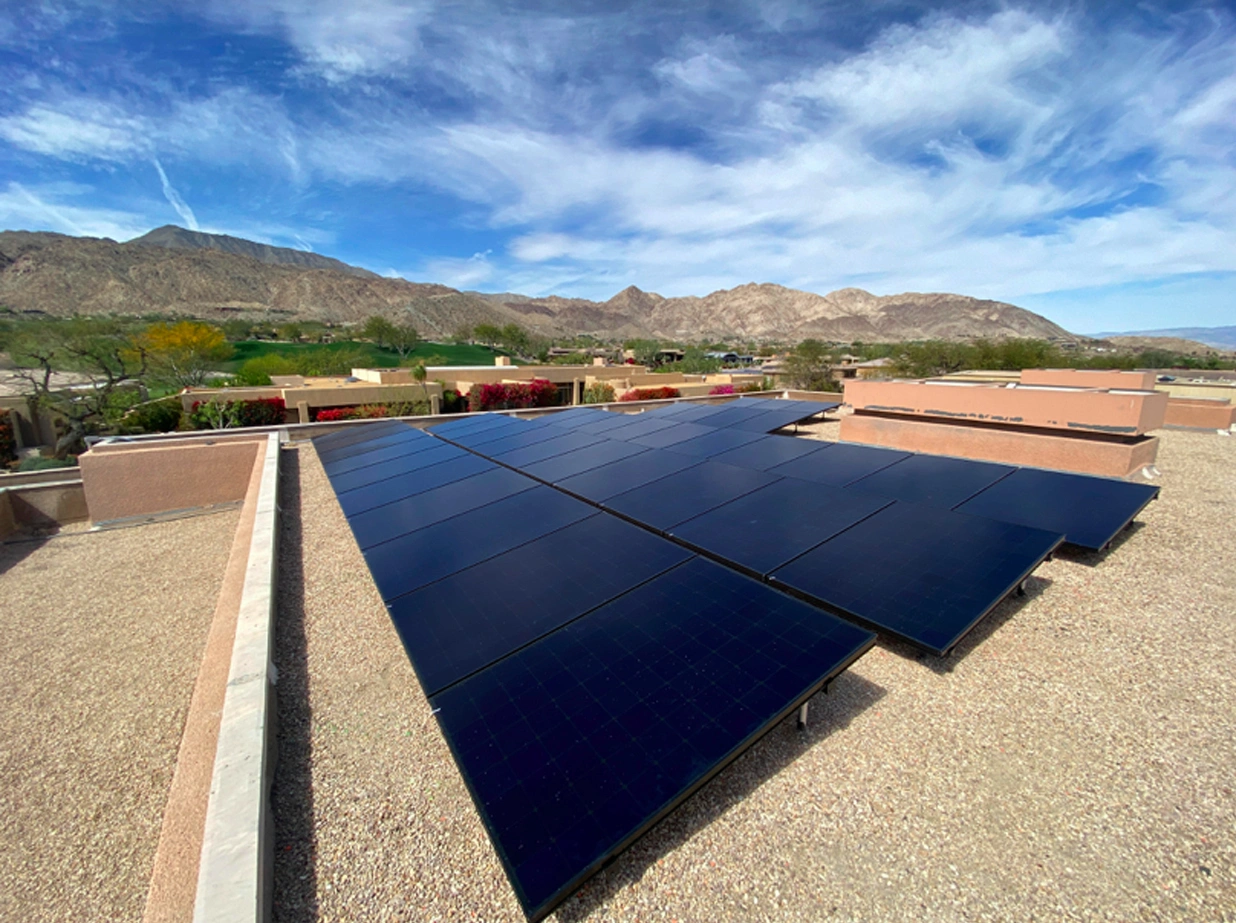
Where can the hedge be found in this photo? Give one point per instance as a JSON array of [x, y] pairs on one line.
[[651, 394], [266, 411], [371, 411], [722, 389]]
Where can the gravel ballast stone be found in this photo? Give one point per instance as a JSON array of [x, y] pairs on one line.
[[1072, 759]]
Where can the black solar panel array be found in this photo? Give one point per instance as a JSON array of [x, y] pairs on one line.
[[588, 674]]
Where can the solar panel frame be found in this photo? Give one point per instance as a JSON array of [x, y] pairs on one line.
[[606, 785]]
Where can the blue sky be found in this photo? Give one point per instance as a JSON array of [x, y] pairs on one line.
[[1076, 159]]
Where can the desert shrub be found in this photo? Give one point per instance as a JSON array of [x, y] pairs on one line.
[[8, 442], [517, 395], [257, 371], [651, 394], [372, 411], [38, 463], [266, 411], [162, 416], [764, 384], [722, 389], [453, 401], [599, 392]]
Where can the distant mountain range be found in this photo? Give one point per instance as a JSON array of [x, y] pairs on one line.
[[1217, 337], [214, 276]]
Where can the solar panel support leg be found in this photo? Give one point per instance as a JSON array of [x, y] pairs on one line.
[[1021, 588], [802, 717]]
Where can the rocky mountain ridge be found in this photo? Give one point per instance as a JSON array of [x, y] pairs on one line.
[[174, 271]]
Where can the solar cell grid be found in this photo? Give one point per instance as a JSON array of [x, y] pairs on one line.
[[1089, 511], [390, 438], [399, 450], [431, 506], [731, 415], [640, 425], [670, 500], [689, 413], [357, 432], [574, 745], [513, 439], [714, 443], [924, 574], [607, 421], [399, 482], [766, 528], [468, 424], [418, 558], [935, 480], [473, 618], [526, 455], [679, 432]]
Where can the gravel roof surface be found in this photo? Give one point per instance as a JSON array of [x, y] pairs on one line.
[[1074, 758], [102, 634]]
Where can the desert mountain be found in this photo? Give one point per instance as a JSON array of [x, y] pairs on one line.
[[174, 271], [177, 238]]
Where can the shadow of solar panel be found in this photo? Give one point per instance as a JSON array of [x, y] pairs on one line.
[[714, 443], [526, 455], [357, 432], [678, 497], [934, 480], [679, 432], [839, 464], [923, 574], [575, 745], [434, 505], [769, 451], [415, 461], [594, 456], [400, 450], [418, 558], [390, 438], [472, 618], [398, 482], [607, 481], [766, 528], [1090, 511]]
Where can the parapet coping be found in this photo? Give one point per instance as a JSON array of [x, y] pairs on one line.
[[234, 874]]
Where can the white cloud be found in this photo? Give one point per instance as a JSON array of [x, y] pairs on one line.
[[45, 208], [173, 197], [457, 273]]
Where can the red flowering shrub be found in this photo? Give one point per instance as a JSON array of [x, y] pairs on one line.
[[266, 411], [539, 392], [722, 389], [651, 394]]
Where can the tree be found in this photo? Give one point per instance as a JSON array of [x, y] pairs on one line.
[[292, 332], [514, 338], [104, 357], [403, 339], [489, 334], [378, 329], [809, 367], [186, 352]]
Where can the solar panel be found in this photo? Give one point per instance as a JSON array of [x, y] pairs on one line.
[[730, 415], [935, 480], [390, 438], [689, 413], [775, 418], [399, 450], [413, 461], [607, 481], [606, 422], [511, 439], [1090, 511], [668, 411], [766, 528], [841, 463], [923, 574], [714, 443], [357, 432], [576, 744], [526, 455], [469, 424], [585, 459], [640, 425], [418, 558], [769, 451], [679, 432], [434, 505], [569, 419], [398, 482], [474, 617], [670, 500]]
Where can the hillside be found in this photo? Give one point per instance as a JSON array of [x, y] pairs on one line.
[[1214, 337], [174, 271]]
